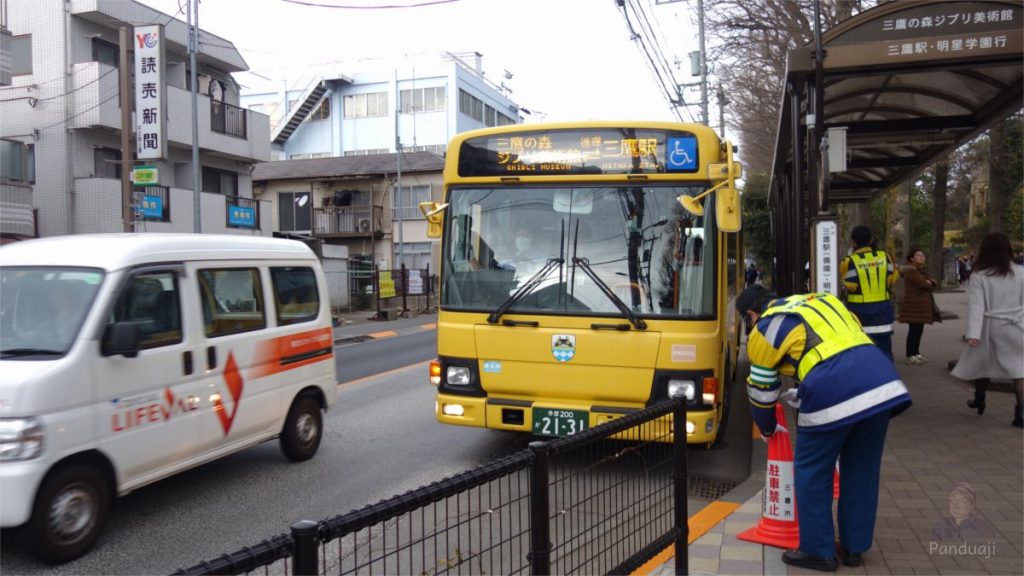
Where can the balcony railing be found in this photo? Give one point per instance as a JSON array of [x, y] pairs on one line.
[[347, 221], [227, 119], [241, 212]]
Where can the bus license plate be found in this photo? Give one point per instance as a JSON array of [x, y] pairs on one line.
[[556, 422]]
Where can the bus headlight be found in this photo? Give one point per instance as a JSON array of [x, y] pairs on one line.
[[457, 376], [682, 388], [20, 439]]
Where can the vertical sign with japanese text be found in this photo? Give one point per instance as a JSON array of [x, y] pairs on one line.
[[150, 92], [826, 265]]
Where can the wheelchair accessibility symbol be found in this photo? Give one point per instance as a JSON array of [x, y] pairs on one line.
[[681, 153]]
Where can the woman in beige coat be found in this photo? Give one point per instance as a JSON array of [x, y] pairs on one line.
[[917, 307], [995, 323]]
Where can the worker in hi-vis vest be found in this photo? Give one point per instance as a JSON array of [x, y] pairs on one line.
[[869, 275], [846, 393]]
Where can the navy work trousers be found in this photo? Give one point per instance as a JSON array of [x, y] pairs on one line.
[[858, 447]]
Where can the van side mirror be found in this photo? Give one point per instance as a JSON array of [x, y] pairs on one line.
[[434, 213], [121, 338]]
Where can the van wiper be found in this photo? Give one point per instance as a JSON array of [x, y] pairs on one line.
[[637, 321], [14, 352], [525, 289]]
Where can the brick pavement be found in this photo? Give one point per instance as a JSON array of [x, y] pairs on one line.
[[936, 444]]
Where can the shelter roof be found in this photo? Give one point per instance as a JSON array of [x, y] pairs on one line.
[[910, 81]]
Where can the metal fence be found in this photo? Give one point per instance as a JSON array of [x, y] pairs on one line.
[[606, 500], [403, 290]]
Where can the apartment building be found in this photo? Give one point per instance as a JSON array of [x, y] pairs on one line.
[[60, 127]]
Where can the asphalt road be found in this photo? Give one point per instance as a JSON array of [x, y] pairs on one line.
[[381, 439]]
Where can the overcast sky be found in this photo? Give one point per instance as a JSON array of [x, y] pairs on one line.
[[569, 59]]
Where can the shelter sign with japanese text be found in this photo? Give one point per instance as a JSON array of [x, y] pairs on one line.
[[150, 92]]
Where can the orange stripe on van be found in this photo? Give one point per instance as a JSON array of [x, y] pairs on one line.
[[271, 354]]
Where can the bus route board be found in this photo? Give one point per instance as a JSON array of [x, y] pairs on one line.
[[584, 151]]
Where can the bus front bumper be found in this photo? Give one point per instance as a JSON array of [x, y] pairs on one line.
[[517, 415]]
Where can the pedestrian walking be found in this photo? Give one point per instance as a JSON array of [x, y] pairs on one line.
[[995, 324], [846, 394], [917, 307], [751, 274], [869, 275]]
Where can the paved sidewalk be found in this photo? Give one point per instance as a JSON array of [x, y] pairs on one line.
[[359, 326], [930, 448]]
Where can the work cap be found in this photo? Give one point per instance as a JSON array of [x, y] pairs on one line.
[[755, 298]]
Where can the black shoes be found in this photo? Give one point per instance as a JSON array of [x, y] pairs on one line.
[[978, 405], [803, 560], [852, 558]]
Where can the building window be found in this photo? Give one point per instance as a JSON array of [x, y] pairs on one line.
[[106, 163], [423, 100], [411, 197], [416, 255], [366, 105], [220, 181], [294, 211], [475, 108], [105, 53], [21, 55], [17, 162], [322, 112], [307, 156], [438, 149]]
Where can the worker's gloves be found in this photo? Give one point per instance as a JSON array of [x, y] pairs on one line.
[[790, 397]]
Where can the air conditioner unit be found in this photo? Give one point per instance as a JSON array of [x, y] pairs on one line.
[[364, 224]]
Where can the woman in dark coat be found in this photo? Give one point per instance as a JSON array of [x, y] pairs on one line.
[[917, 307]]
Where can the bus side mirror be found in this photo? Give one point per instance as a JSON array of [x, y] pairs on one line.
[[727, 205], [434, 213]]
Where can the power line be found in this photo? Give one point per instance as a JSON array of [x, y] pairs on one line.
[[381, 7], [100, 103], [672, 94]]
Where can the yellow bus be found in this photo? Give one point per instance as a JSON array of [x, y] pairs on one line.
[[584, 275]]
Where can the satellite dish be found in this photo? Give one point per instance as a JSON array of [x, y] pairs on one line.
[[302, 200]]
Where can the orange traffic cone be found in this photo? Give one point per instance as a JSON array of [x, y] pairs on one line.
[[778, 524], [835, 483]]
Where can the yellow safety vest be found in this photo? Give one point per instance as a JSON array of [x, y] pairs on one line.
[[872, 269], [831, 328]]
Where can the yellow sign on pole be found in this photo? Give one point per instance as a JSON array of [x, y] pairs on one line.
[[387, 285]]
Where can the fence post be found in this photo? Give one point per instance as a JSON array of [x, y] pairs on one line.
[[306, 552], [376, 290], [679, 481], [540, 539], [405, 288]]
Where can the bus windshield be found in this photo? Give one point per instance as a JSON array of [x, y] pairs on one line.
[[651, 254]]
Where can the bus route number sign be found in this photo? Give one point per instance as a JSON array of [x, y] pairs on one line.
[[557, 422]]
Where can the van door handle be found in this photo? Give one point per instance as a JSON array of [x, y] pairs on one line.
[[211, 357], [186, 362]]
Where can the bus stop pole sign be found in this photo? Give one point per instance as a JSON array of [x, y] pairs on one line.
[[825, 252]]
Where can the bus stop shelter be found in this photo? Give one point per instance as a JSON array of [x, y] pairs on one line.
[[895, 89]]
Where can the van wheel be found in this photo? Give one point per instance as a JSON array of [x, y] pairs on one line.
[[303, 429], [69, 513]]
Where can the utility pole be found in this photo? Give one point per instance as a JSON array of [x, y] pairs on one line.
[[398, 179], [193, 47], [722, 103], [127, 151], [703, 67]]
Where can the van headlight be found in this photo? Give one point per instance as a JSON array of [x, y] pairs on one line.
[[682, 388], [20, 439], [457, 376]]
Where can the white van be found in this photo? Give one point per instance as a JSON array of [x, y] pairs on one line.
[[127, 358]]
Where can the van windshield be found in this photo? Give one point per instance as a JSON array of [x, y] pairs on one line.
[[42, 309]]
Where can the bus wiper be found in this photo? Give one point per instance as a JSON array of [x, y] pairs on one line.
[[637, 321], [525, 289]]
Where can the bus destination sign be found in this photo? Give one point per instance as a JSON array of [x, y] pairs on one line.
[[584, 151]]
